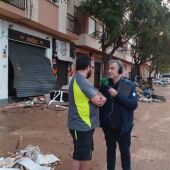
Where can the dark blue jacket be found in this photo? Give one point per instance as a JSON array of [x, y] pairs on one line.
[[124, 103]]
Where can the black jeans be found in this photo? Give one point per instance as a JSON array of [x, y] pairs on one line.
[[124, 140]]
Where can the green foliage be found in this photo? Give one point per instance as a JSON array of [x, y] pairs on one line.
[[111, 14], [146, 21], [7, 1], [152, 40]]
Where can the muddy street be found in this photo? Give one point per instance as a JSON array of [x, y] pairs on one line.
[[46, 127]]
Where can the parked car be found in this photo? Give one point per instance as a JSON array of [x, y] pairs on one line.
[[166, 77], [160, 82]]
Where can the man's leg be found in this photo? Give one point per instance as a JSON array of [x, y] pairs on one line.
[[84, 165], [83, 147], [78, 165], [110, 138], [89, 147], [75, 165], [124, 146]]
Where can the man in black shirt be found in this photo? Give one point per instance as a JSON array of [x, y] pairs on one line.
[[116, 115]]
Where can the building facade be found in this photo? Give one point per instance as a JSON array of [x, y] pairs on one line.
[[39, 40], [31, 32]]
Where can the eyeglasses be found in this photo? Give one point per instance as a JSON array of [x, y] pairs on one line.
[[92, 67]]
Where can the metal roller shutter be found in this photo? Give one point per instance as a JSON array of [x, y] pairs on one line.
[[32, 70]]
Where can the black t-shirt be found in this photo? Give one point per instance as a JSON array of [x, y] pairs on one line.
[[115, 115]]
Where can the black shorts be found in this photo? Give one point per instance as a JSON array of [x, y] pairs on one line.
[[83, 144]]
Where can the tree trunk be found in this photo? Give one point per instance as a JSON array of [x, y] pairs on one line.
[[137, 70], [151, 69], [105, 62]]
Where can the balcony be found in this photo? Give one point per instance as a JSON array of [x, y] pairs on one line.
[[88, 41], [21, 4], [73, 24]]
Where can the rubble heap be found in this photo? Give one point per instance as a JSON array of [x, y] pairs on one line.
[[29, 158]]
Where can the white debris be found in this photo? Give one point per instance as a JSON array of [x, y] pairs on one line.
[[61, 106], [9, 169], [31, 152], [30, 165], [9, 162], [29, 158], [2, 158], [46, 159]]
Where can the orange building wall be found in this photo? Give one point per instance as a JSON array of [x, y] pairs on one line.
[[48, 17]]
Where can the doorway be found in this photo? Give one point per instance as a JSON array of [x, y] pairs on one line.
[[97, 74]]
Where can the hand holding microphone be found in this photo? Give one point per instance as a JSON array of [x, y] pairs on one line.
[[105, 83], [112, 92]]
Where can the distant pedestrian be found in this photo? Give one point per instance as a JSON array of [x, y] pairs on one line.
[[54, 68]]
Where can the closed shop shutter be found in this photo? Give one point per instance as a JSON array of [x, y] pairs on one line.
[[32, 70]]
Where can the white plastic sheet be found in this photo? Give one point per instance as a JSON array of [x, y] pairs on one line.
[[46, 159], [30, 165]]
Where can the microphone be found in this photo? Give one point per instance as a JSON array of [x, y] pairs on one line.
[[104, 82]]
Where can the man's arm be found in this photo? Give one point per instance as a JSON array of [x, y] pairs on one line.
[[129, 102], [98, 100], [95, 97]]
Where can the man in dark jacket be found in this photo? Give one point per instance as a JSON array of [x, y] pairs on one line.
[[116, 116]]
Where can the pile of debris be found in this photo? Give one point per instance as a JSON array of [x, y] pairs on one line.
[[29, 158], [145, 93], [36, 102], [153, 98]]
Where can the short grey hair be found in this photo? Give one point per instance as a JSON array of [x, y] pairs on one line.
[[119, 63]]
